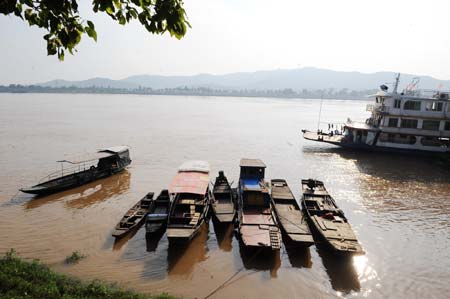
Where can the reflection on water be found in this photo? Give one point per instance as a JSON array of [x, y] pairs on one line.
[[86, 195], [152, 240], [120, 242], [260, 259], [181, 258], [299, 257], [224, 235], [341, 271]]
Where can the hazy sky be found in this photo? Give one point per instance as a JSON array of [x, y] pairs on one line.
[[408, 36]]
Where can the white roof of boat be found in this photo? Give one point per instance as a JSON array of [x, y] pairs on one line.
[[252, 163], [362, 126], [115, 149], [88, 157], [194, 165]]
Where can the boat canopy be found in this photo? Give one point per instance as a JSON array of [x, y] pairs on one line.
[[115, 149], [190, 182], [361, 126], [88, 157], [194, 165], [252, 163]]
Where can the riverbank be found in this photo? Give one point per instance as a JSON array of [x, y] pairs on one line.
[[22, 279]]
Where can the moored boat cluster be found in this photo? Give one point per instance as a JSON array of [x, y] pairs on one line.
[[264, 213]]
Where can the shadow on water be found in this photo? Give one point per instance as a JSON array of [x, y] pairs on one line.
[[181, 258], [340, 269], [395, 166], [86, 195], [260, 259], [120, 242], [224, 235], [299, 256], [152, 240]]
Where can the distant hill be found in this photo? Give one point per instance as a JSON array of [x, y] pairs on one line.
[[296, 79]]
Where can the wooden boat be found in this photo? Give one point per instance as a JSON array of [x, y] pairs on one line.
[[190, 201], [135, 216], [327, 220], [156, 219], [292, 220], [85, 168], [257, 224], [223, 204]]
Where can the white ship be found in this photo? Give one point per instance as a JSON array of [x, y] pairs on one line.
[[411, 121]]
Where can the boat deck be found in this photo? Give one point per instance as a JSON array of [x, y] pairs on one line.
[[334, 139], [289, 214]]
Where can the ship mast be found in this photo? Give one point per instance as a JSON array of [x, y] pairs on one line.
[[397, 79]]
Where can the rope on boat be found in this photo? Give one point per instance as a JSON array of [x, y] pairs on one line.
[[224, 284]]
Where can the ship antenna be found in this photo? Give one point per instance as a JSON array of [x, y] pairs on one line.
[[397, 79], [320, 112]]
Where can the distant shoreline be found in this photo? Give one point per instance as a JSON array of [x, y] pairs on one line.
[[287, 93]]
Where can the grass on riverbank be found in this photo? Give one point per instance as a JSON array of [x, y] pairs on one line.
[[20, 279]]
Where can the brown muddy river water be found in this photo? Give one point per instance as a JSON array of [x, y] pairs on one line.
[[399, 206]]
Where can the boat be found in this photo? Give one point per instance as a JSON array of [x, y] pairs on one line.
[[257, 224], [156, 219], [292, 220], [190, 197], [135, 216], [223, 204], [327, 220], [84, 169], [412, 121]]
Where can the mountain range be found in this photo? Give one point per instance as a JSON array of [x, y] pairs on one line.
[[296, 79]]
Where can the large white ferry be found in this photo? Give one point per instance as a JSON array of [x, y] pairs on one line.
[[411, 121]]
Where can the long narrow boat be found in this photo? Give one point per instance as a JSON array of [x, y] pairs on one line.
[[190, 201], [135, 216], [292, 220], [327, 220], [223, 204], [85, 168], [257, 227], [156, 219]]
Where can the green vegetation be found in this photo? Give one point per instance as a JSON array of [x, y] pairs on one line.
[[20, 279], [65, 26], [75, 257]]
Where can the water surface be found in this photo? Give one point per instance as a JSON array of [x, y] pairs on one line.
[[399, 206]]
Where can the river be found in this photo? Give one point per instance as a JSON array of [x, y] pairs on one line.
[[399, 206]]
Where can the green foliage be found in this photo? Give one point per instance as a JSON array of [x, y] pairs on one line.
[[20, 280], [65, 26], [75, 257]]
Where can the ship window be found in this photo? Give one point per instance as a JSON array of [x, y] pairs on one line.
[[430, 125], [430, 141], [397, 138], [409, 123], [447, 126], [383, 137], [397, 104], [434, 106], [393, 122], [412, 105]]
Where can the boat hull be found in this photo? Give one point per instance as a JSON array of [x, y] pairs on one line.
[[326, 221], [313, 136], [69, 182], [134, 217]]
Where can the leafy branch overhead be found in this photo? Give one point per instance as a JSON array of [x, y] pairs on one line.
[[65, 26]]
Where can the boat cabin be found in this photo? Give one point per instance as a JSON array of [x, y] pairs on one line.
[[252, 169], [253, 188], [190, 191]]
